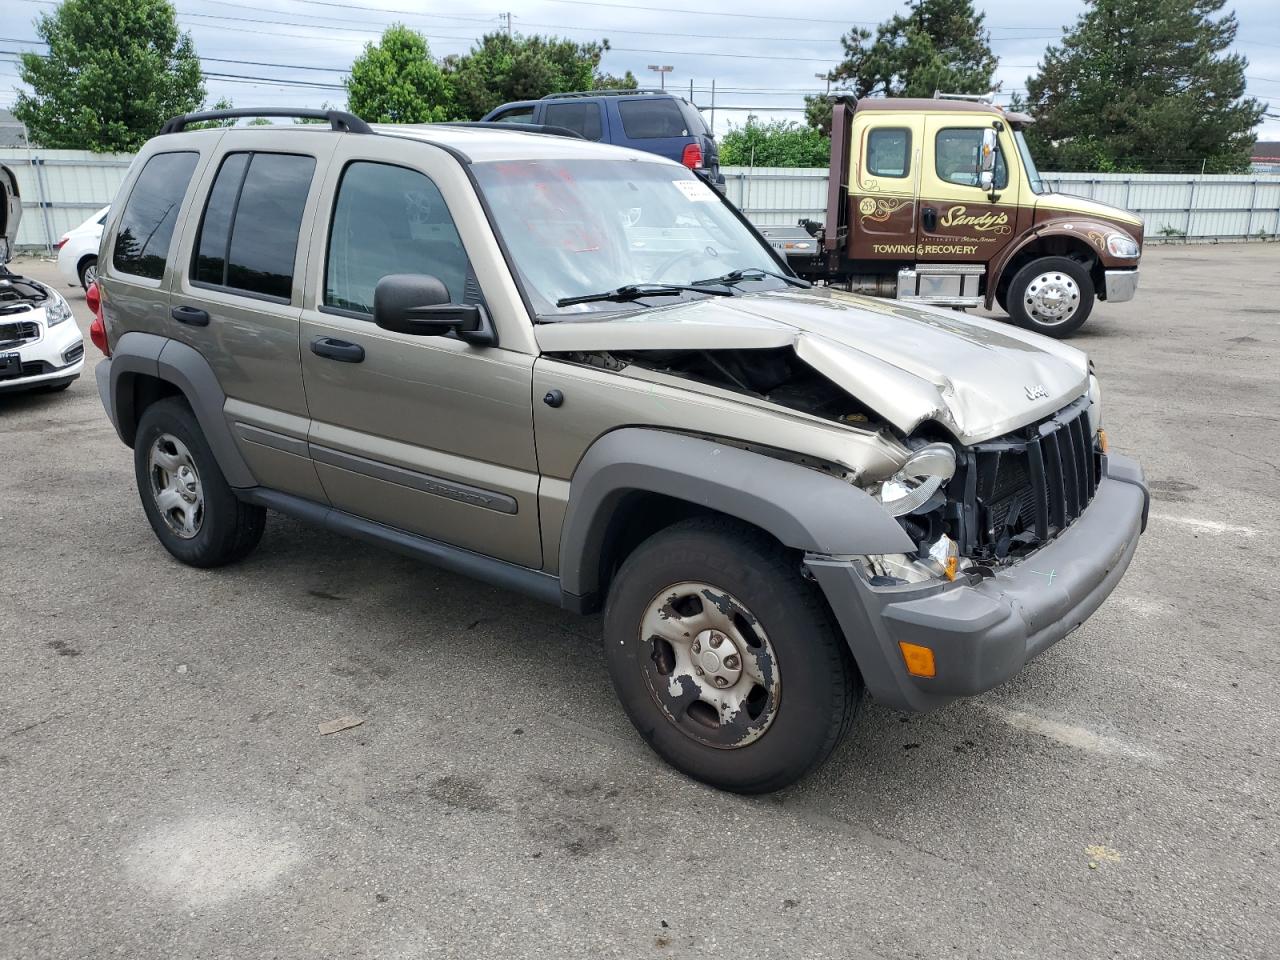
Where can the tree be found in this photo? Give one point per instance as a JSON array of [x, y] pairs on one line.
[[396, 81], [1144, 85], [777, 144], [503, 67], [116, 70], [936, 45]]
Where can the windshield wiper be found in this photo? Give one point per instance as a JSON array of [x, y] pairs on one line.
[[755, 273], [638, 291]]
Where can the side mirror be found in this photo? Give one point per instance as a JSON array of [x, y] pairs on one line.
[[419, 304], [987, 180], [987, 158]]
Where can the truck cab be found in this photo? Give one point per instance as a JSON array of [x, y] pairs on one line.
[[939, 201]]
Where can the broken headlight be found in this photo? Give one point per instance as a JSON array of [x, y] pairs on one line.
[[917, 480]]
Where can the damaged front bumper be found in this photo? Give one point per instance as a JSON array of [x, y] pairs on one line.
[[983, 631]]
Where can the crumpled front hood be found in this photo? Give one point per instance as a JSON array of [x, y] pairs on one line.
[[979, 377]]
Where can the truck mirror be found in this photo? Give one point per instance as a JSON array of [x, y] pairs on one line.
[[987, 157], [986, 180]]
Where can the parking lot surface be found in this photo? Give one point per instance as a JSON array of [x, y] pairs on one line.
[[165, 791]]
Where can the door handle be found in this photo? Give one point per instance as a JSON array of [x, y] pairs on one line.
[[929, 217], [192, 316], [341, 350]]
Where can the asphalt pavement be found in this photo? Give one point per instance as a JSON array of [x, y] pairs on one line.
[[165, 791]]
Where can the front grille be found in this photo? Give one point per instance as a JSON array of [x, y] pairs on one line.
[[16, 334], [1015, 492]]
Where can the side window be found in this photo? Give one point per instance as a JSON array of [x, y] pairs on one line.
[[889, 152], [249, 233], [583, 118], [652, 118], [386, 220], [146, 225], [515, 115], [955, 157]]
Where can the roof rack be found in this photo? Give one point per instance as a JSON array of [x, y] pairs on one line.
[[514, 127], [339, 120], [605, 93], [987, 98]]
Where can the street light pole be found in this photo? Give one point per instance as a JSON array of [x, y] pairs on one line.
[[826, 77], [662, 74]]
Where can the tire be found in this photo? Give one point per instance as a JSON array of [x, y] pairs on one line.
[[1052, 295], [188, 502], [88, 271], [797, 688]]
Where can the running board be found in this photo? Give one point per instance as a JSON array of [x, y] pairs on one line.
[[533, 583]]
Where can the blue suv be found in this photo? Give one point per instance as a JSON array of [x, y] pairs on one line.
[[648, 120]]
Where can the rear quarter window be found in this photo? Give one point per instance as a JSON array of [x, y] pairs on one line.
[[150, 214], [582, 117], [652, 118]]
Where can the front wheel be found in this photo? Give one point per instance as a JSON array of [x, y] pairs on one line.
[[1052, 295], [726, 661], [88, 272]]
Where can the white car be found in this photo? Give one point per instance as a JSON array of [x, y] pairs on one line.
[[40, 343], [78, 250]]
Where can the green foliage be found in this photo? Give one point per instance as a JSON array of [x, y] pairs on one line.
[[610, 81], [936, 45], [116, 70], [777, 144], [503, 67], [396, 81], [1144, 85]]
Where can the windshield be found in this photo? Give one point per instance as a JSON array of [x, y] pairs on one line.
[[1033, 175], [579, 227]]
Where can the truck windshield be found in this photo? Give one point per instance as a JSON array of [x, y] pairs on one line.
[[578, 227], [1033, 175]]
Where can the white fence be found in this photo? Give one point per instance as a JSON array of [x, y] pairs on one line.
[[1173, 206], [61, 188]]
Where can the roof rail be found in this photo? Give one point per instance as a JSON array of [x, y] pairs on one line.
[[605, 93], [514, 127], [339, 120]]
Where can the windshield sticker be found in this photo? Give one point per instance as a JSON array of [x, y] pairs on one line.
[[695, 190]]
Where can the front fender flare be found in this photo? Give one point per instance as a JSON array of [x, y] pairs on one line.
[[800, 507]]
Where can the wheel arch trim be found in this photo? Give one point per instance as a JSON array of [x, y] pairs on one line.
[[146, 354], [800, 507]]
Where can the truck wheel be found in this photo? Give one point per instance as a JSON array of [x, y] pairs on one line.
[[187, 500], [1053, 296], [725, 659]]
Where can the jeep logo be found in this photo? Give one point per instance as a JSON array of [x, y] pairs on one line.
[[1036, 391]]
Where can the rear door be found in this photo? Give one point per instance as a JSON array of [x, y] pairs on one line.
[[883, 186], [960, 222], [583, 117], [237, 296]]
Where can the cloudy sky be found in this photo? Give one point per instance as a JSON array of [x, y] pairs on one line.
[[296, 52]]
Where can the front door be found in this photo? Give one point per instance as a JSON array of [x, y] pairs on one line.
[[960, 222], [422, 433], [882, 189]]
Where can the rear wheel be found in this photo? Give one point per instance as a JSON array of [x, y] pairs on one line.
[[188, 501], [88, 272], [1052, 295], [725, 659]]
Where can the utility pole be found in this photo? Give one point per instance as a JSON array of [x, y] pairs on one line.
[[826, 77], [662, 74], [505, 18], [713, 106]]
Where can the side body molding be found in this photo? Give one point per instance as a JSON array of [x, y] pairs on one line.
[[802, 508], [145, 354]]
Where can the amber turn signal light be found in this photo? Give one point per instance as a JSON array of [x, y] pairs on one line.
[[919, 659], [1102, 440]]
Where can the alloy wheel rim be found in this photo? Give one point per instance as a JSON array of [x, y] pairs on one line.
[[710, 665], [1052, 298], [175, 485], [90, 275]]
